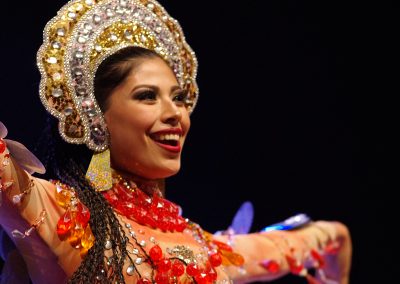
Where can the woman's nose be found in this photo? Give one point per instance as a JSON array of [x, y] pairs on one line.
[[171, 113]]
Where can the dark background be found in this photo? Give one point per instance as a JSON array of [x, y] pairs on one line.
[[293, 114]]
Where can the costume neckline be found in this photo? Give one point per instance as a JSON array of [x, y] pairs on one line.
[[146, 208]]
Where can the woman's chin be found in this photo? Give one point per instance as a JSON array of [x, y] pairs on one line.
[[163, 172]]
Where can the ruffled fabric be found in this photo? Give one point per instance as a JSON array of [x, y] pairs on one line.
[[21, 154], [14, 268]]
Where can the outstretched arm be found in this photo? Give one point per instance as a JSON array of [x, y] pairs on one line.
[[29, 213], [324, 246]]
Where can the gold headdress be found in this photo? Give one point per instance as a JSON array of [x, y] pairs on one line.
[[81, 36]]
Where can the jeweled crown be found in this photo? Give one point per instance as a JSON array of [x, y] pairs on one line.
[[81, 36]]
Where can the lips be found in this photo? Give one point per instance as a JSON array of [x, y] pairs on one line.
[[168, 139]]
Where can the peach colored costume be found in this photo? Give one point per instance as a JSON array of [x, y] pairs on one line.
[[49, 258]]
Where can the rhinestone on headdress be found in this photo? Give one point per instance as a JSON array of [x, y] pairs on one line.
[[81, 36]]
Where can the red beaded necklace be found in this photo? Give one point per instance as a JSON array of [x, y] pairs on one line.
[[128, 200], [155, 212]]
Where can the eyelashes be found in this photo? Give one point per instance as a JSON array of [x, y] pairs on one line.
[[150, 96], [147, 95], [180, 97]]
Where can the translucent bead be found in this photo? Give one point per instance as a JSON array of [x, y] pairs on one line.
[[98, 48], [81, 91], [83, 215], [96, 19], [234, 258], [17, 198], [215, 259], [57, 93], [75, 235], [61, 32], [68, 110], [81, 39], [113, 37], [57, 76], [51, 60], [270, 265], [63, 196], [64, 224], [109, 13], [78, 54], [128, 35], [88, 27], [56, 45], [2, 146], [178, 268], [89, 2], [192, 269], [72, 15], [87, 238], [155, 253]]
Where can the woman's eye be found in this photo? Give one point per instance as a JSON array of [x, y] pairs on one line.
[[146, 96], [181, 97]]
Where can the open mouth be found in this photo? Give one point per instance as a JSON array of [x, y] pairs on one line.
[[167, 139]]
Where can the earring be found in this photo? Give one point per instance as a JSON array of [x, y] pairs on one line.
[[99, 171]]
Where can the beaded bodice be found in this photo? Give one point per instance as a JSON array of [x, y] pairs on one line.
[[162, 246]]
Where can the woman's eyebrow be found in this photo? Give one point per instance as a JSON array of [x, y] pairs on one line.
[[148, 86], [174, 88]]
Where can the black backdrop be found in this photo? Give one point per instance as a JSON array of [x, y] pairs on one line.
[[285, 117]]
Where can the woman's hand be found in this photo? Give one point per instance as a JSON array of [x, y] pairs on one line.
[[337, 265]]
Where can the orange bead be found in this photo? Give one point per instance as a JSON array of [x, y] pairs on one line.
[[233, 258], [88, 239], [222, 246], [83, 252], [75, 236], [63, 196]]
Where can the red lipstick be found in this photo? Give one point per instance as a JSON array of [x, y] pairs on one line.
[[169, 145], [175, 149]]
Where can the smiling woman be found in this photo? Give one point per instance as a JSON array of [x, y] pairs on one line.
[[119, 80], [148, 121]]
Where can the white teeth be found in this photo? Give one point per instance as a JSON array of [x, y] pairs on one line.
[[167, 137]]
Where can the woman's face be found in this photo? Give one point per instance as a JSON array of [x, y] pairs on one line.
[[148, 121]]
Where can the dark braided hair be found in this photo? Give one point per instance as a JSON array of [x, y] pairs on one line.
[[68, 163]]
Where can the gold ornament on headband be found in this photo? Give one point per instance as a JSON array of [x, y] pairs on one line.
[[81, 36]]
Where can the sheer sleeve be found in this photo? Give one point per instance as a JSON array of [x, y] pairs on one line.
[[29, 215], [270, 255]]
